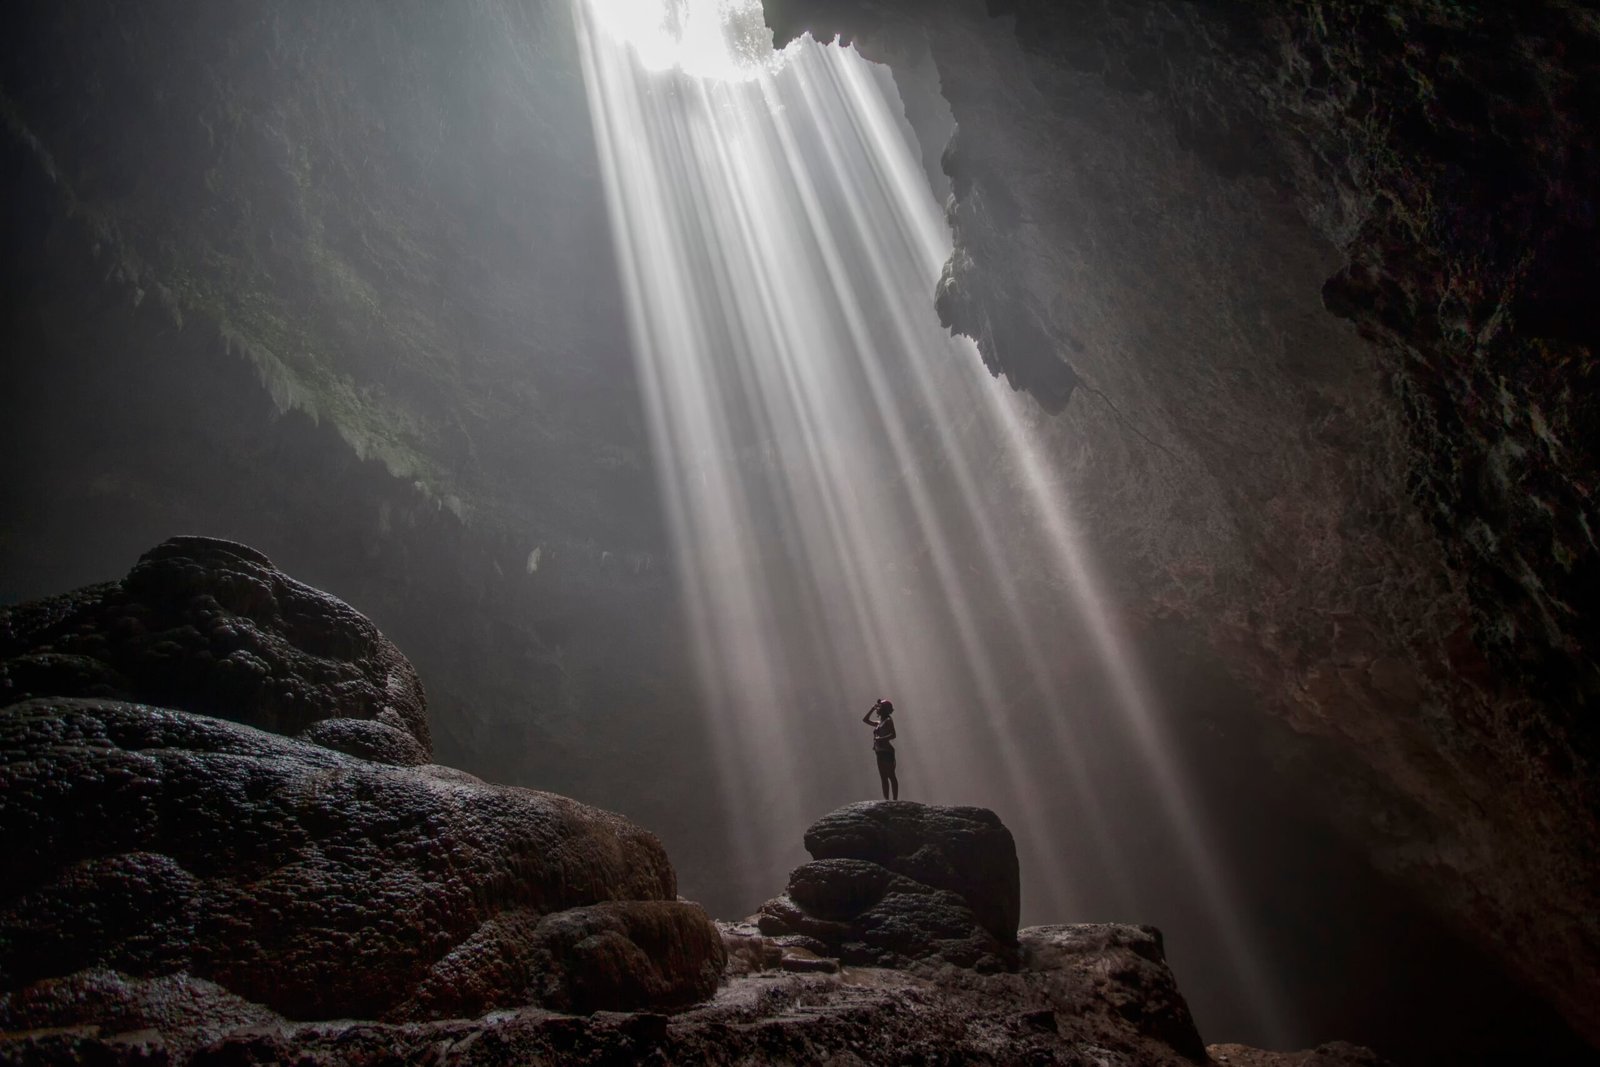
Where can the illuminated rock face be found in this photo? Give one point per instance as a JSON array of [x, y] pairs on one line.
[[1331, 264], [196, 872]]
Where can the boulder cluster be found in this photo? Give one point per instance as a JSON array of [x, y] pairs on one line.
[[224, 844], [157, 823]]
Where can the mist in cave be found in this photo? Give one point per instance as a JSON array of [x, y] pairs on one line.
[[858, 509], [856, 505], [750, 484]]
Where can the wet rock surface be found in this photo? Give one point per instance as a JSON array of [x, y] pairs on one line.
[[1082, 995], [965, 850], [149, 842], [211, 626], [896, 881], [185, 889], [179, 872]]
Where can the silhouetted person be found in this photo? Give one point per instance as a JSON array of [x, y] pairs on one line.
[[881, 718]]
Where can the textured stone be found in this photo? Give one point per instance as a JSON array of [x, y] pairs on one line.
[[896, 882], [1073, 1002], [1139, 987], [149, 842], [1332, 1054], [965, 850], [213, 627], [366, 738]]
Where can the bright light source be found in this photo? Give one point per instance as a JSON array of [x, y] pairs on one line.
[[725, 39]]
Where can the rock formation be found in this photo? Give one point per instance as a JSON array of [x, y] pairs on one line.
[[175, 870], [895, 881], [182, 886], [213, 627], [191, 938]]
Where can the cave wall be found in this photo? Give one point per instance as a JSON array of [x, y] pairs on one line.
[[349, 199], [336, 283], [1306, 284]]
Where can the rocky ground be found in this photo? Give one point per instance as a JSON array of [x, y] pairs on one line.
[[1079, 1005], [184, 888]]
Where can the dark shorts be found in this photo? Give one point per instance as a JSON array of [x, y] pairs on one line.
[[885, 760]]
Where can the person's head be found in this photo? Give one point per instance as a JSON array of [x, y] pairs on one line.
[[885, 707]]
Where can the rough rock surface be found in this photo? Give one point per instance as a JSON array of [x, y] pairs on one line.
[[1332, 1054], [965, 850], [895, 881], [1083, 995], [150, 842], [1330, 259], [213, 627]]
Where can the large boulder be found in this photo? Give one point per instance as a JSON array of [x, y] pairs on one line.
[[212, 626], [965, 850], [146, 842], [895, 881]]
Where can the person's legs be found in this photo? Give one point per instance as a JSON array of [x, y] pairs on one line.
[[893, 781], [886, 773]]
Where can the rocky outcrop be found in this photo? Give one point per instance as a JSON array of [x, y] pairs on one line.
[[213, 627], [896, 881], [180, 872], [1099, 993], [146, 842], [965, 850], [1091, 994]]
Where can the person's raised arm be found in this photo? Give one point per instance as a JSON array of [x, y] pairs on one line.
[[868, 719]]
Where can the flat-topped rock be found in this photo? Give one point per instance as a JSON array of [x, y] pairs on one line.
[[965, 850], [894, 882]]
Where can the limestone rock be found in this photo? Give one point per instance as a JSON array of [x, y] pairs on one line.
[[1137, 987], [146, 842], [1332, 1054], [213, 627], [1076, 1001], [895, 881], [966, 850], [368, 739]]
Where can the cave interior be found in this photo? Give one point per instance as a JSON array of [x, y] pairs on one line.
[[1183, 409]]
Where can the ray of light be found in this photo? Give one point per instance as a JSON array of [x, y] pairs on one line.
[[828, 459]]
